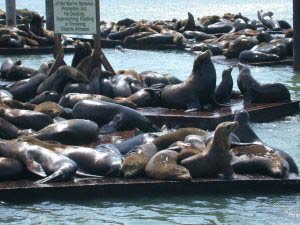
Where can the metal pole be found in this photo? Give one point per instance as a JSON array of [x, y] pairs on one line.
[[49, 15], [10, 12], [296, 25]]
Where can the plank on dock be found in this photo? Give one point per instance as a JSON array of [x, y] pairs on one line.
[[209, 120], [118, 187]]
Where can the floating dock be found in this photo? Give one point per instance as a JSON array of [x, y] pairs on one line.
[[208, 120], [119, 187]]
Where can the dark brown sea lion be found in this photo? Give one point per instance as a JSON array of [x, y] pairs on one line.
[[90, 161], [10, 168], [69, 100], [224, 89], [163, 166], [271, 48], [259, 159], [58, 80], [112, 117], [26, 119], [196, 91], [267, 20], [164, 141], [46, 96], [75, 131], [198, 35], [216, 158], [132, 39], [255, 92], [146, 97], [82, 49], [247, 135], [27, 89], [8, 131], [239, 45], [40, 161], [135, 162], [250, 56], [124, 33], [155, 39], [124, 85]]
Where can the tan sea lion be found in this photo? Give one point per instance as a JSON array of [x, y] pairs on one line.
[[216, 158], [163, 166]]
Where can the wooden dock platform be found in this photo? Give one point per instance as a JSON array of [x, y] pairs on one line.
[[209, 120], [120, 187]]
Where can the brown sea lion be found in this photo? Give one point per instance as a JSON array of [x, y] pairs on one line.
[[82, 49], [10, 168], [164, 141], [135, 162], [216, 158], [224, 89], [51, 109], [163, 166]]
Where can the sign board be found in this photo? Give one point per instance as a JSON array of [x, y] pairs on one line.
[[75, 16]]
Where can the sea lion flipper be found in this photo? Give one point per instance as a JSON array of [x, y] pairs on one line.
[[36, 168], [113, 125], [81, 173], [54, 176]]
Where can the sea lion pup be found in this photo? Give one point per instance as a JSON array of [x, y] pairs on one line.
[[259, 159], [135, 161], [164, 141], [246, 135], [224, 89], [69, 100], [254, 92], [40, 161], [112, 117], [90, 161], [10, 168], [74, 131], [163, 166], [25, 118], [216, 158], [197, 90]]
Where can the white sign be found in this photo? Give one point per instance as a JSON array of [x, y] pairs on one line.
[[75, 16]]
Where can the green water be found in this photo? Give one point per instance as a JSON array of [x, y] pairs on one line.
[[196, 209]]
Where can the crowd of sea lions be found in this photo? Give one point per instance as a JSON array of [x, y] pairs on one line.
[[231, 35], [49, 117]]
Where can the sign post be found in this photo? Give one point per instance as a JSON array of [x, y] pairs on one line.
[[296, 25], [11, 13], [79, 17]]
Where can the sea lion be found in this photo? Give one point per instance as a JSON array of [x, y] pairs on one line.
[[267, 20], [246, 135], [125, 146], [164, 141], [90, 87], [250, 56], [188, 149], [111, 117], [40, 161], [259, 159], [26, 119], [27, 89], [216, 158], [146, 97], [121, 35], [195, 92], [74, 131], [132, 39], [255, 92], [223, 91], [10, 168], [239, 45], [82, 49], [69, 100], [198, 35], [219, 27], [47, 96], [163, 166], [271, 48], [190, 24], [90, 161], [135, 161], [156, 39], [8, 131], [51, 109], [58, 80], [124, 85]]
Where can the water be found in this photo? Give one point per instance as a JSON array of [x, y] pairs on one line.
[[197, 209]]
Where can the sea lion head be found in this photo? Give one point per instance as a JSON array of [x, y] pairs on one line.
[[227, 72], [225, 128], [241, 116], [201, 59]]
